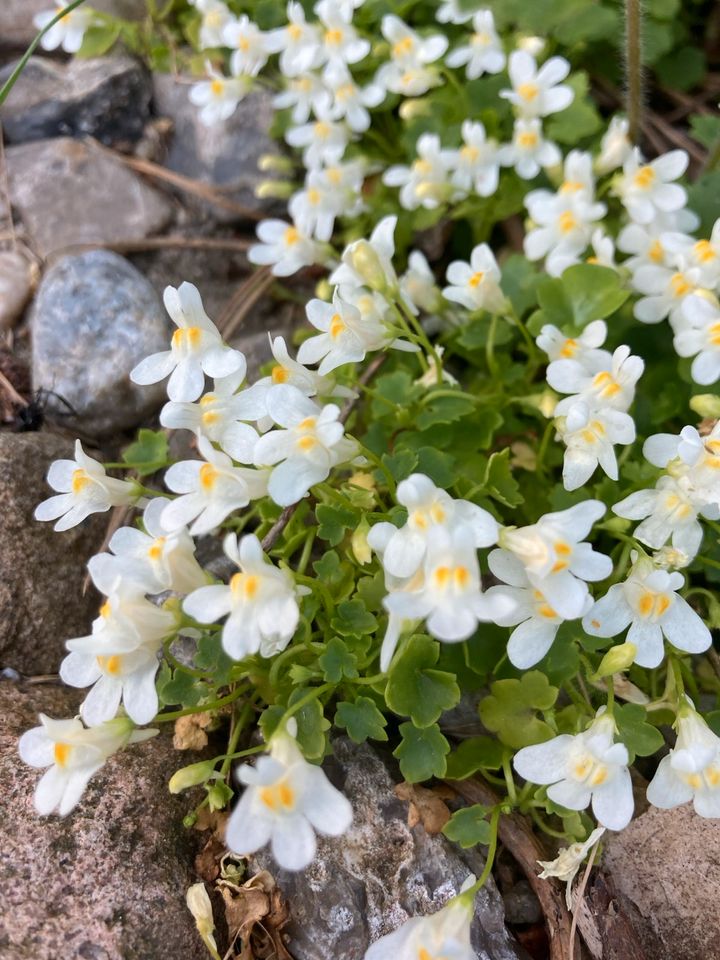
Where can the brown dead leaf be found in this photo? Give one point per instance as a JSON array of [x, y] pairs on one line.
[[190, 731], [255, 914], [207, 862], [426, 806]]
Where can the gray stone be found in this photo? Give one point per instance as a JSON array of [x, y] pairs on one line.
[[17, 276], [94, 318], [107, 98], [521, 904], [16, 17], [380, 873], [41, 596], [108, 882], [68, 193], [666, 863], [224, 155]]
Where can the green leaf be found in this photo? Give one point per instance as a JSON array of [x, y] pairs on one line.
[[333, 521], [400, 464], [554, 302], [398, 388], [640, 737], [415, 689], [353, 619], [705, 129], [99, 38], [211, 657], [182, 689], [437, 465], [511, 709], [469, 826], [499, 482], [682, 69], [149, 452], [704, 199], [593, 292], [444, 410], [473, 754], [311, 724], [337, 662], [580, 119], [362, 720], [421, 753]]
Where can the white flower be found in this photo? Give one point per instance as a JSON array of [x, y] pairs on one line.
[[215, 17], [427, 182], [407, 79], [298, 43], [329, 192], [644, 242], [403, 550], [582, 348], [667, 290], [285, 247], [285, 801], [703, 254], [691, 771], [615, 146], [249, 45], [536, 622], [340, 42], [587, 768], [603, 249], [302, 94], [369, 263], [217, 416], [68, 32], [83, 488], [418, 284], [589, 434], [211, 490], [565, 223], [311, 443], [154, 559], [74, 755], [218, 96], [669, 512], [612, 387], [698, 459], [261, 601], [445, 592], [408, 48], [323, 141], [476, 166], [557, 563], [529, 152], [537, 93], [197, 349], [444, 935], [347, 101], [483, 53], [700, 337], [451, 11], [476, 285], [647, 602], [646, 189], [567, 863]]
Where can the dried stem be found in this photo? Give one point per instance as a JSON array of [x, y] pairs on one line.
[[633, 66]]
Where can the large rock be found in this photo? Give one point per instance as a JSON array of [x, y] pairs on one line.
[[368, 882], [68, 192], [94, 318], [108, 882], [225, 155], [106, 98], [17, 277], [667, 864], [16, 17], [41, 595]]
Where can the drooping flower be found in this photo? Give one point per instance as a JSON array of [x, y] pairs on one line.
[[83, 488], [369, 263], [211, 489], [197, 349], [286, 800], [73, 755], [615, 146], [568, 861], [691, 771], [261, 601], [304, 451], [648, 602], [588, 768]]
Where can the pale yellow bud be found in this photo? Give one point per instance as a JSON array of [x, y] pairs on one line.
[[617, 659], [275, 162], [706, 405], [324, 290], [359, 542], [281, 189], [190, 776], [414, 108], [198, 903]]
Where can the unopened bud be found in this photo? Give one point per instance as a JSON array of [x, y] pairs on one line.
[[617, 659], [275, 162], [323, 290], [706, 405], [413, 108], [280, 189], [366, 263], [532, 45], [359, 542], [191, 776]]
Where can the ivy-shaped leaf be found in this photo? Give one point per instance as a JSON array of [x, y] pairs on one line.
[[362, 720], [469, 826], [511, 709], [421, 753], [337, 662], [417, 690]]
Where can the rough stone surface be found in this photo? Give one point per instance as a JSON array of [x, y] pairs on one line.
[[61, 188], [667, 863], [106, 98], [380, 873], [225, 154], [16, 17], [41, 601], [16, 283], [108, 882], [94, 318]]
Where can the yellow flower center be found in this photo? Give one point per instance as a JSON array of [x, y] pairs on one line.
[[337, 326], [279, 796], [606, 385], [106, 609], [245, 584], [322, 129], [217, 87], [314, 196], [469, 153], [527, 140], [679, 285], [481, 39], [566, 222], [61, 753], [569, 348], [445, 577], [111, 665], [403, 47], [279, 374], [644, 178], [208, 476], [187, 336], [653, 604], [156, 550], [294, 31], [704, 251], [571, 186], [476, 279], [291, 236], [656, 252], [423, 167], [528, 91], [333, 37], [79, 481]]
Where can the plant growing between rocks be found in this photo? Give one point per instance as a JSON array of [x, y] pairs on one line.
[[481, 476]]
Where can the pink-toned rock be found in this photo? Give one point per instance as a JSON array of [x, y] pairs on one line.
[[109, 881], [667, 864]]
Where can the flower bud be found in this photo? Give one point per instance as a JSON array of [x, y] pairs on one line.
[[323, 290], [706, 405], [617, 659], [413, 108], [275, 162], [366, 263], [359, 542], [191, 776], [281, 189]]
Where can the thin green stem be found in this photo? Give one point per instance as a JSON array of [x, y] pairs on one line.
[[509, 779], [303, 702], [187, 711], [492, 850], [490, 348]]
